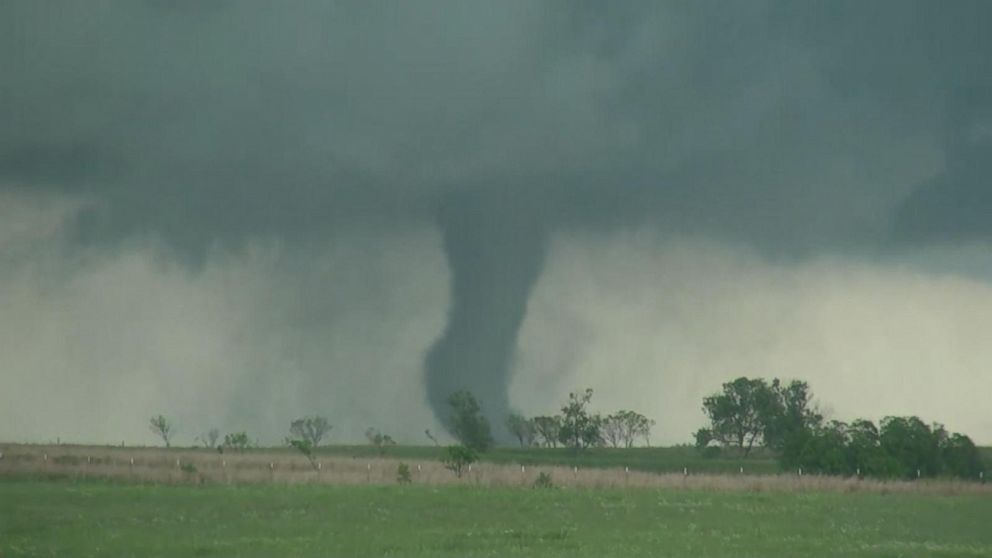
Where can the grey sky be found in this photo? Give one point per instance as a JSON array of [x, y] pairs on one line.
[[326, 134]]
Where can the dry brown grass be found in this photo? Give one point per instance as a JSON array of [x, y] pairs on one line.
[[157, 465]]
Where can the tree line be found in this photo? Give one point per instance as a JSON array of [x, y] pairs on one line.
[[745, 414], [576, 427], [781, 417]]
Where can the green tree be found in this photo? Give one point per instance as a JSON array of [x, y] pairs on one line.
[[579, 428], [458, 458], [236, 440], [822, 449], [913, 444], [865, 453], [547, 430], [521, 428], [789, 417], [738, 415], [467, 423], [312, 429], [960, 457], [623, 428]]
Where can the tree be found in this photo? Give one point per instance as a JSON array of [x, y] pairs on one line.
[[209, 440], [621, 429], [237, 441], [579, 429], [865, 453], [457, 459], [960, 457], [737, 415], [546, 430], [822, 450], [912, 444], [791, 421], [788, 411], [379, 440], [467, 423], [163, 428], [312, 429], [521, 428], [306, 448], [611, 431]]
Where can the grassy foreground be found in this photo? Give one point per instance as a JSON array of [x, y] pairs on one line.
[[93, 518]]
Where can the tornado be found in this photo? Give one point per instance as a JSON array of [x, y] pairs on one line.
[[495, 252]]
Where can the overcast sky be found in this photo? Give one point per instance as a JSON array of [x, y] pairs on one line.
[[236, 213]]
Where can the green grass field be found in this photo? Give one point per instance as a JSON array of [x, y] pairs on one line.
[[78, 519]]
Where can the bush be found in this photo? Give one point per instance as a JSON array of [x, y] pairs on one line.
[[458, 458], [403, 474], [544, 481], [188, 468]]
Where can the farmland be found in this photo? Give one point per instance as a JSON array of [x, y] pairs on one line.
[[101, 518]]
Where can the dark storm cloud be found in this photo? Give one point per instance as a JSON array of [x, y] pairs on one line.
[[794, 127]]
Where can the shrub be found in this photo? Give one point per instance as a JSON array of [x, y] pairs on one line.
[[544, 481], [458, 458], [403, 474], [188, 468]]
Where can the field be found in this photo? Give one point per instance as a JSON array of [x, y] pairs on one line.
[[111, 501], [100, 518]]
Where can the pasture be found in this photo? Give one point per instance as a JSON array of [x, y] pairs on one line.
[[111, 501], [102, 518]]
